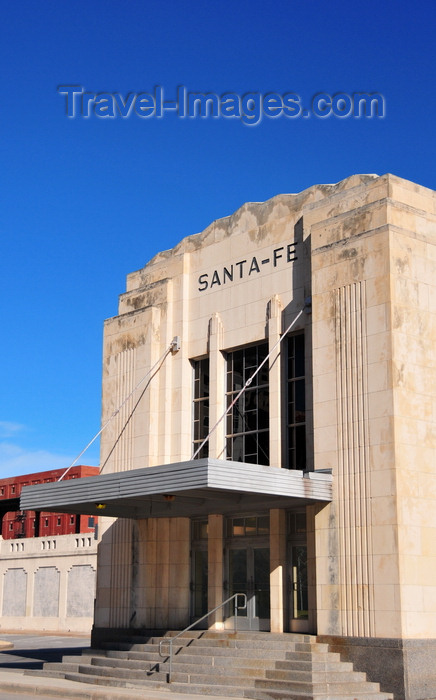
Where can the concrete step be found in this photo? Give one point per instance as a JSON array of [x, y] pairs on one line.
[[235, 667], [225, 661], [104, 661], [115, 682], [215, 637], [201, 656], [126, 673], [143, 656], [199, 660], [216, 690], [332, 676], [239, 672], [311, 646], [319, 687], [227, 654], [287, 695], [251, 665], [213, 677], [314, 665], [69, 673], [231, 652], [43, 673], [177, 687], [60, 667], [128, 646], [230, 634], [212, 681], [186, 667], [318, 656], [246, 643]]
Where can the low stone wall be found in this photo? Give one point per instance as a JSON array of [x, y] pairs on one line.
[[48, 583]]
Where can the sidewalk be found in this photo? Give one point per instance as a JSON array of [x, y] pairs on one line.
[[21, 652]]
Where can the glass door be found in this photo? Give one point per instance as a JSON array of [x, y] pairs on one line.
[[248, 572], [238, 575]]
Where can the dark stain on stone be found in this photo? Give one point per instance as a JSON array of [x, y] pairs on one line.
[[402, 265], [347, 253], [334, 619], [399, 372], [137, 302], [358, 266], [397, 318], [355, 224], [128, 343], [332, 548]]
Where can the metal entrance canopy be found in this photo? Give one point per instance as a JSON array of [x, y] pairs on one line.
[[193, 488]]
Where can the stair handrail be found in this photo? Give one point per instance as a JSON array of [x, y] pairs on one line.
[[170, 640]]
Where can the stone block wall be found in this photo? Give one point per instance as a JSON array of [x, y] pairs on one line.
[[48, 583]]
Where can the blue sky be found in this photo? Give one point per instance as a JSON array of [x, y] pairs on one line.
[[86, 201]]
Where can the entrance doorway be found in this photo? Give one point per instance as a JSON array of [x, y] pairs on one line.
[[248, 570]]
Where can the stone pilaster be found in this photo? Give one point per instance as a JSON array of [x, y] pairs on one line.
[[275, 384], [278, 569]]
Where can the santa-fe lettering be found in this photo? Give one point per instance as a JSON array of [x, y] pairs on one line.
[[277, 255], [202, 281], [241, 271], [227, 273], [254, 267], [215, 279], [291, 252], [286, 253]]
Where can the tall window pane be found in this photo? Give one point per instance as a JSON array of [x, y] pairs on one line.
[[201, 406], [296, 403], [247, 428]]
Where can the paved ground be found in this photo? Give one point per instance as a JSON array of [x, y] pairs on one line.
[[30, 651]]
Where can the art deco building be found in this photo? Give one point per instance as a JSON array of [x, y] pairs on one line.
[[276, 375]]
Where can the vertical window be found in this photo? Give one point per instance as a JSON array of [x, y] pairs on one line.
[[201, 406], [247, 430], [296, 403]]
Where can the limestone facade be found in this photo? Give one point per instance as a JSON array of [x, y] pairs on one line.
[[359, 259]]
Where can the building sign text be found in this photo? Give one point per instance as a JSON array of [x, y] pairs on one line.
[[246, 268]]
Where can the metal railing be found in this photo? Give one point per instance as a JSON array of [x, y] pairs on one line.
[[169, 640]]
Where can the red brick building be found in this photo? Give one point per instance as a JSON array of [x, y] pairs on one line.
[[18, 523]]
